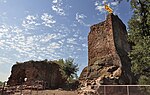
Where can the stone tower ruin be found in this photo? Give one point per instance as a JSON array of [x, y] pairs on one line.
[[108, 53], [108, 61]]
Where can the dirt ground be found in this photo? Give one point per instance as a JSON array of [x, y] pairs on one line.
[[46, 92]]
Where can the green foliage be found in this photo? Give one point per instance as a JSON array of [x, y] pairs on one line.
[[68, 68], [60, 62], [145, 90], [1, 83], [145, 80], [139, 37]]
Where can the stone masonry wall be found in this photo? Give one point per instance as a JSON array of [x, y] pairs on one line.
[[108, 47], [104, 38], [43, 71]]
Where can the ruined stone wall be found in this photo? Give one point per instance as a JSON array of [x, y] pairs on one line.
[[98, 44], [34, 71]]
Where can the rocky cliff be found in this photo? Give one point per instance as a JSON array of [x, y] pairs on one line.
[[46, 73], [108, 61]]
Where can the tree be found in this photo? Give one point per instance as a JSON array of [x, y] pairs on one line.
[[139, 37], [68, 68], [1, 83]]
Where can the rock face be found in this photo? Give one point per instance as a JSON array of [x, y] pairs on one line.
[[46, 72], [108, 61]]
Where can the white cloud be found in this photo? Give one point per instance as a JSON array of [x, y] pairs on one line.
[[100, 5], [30, 17], [2, 43], [82, 38], [84, 45], [29, 40], [48, 37], [100, 8], [61, 42], [104, 1], [96, 3], [16, 30], [54, 45], [115, 3], [80, 18], [30, 22], [4, 29], [47, 20], [54, 1], [3, 1], [57, 7], [4, 13], [71, 41]]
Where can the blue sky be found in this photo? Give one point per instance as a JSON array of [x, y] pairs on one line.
[[50, 29]]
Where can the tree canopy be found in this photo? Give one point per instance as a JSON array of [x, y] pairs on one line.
[[139, 37], [68, 68]]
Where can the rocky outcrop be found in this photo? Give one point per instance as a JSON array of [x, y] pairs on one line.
[[108, 61], [46, 73]]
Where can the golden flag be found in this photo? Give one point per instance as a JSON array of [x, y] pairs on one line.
[[107, 8]]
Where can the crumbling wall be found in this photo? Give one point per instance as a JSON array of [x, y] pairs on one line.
[[36, 71]]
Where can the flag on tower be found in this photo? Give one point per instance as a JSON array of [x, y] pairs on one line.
[[107, 8]]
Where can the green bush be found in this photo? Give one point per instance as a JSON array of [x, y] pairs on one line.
[[1, 83], [68, 68]]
